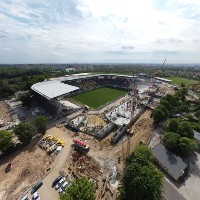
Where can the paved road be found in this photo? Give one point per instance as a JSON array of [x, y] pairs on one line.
[[170, 191]]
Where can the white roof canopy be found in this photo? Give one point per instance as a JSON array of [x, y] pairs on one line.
[[52, 89]]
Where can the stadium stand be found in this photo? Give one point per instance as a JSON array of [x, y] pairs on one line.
[[94, 82]]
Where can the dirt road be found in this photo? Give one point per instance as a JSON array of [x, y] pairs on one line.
[[46, 191], [29, 164]]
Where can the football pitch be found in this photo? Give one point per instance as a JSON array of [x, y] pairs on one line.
[[97, 97]]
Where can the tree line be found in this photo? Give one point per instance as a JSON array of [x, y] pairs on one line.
[[178, 133], [13, 79]]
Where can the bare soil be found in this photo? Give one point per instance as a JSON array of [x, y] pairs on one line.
[[5, 112], [142, 130], [29, 164]]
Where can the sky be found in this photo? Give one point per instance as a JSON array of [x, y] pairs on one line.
[[99, 31]]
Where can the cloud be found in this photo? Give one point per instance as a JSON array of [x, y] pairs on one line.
[[57, 53], [169, 41], [82, 28], [130, 47]]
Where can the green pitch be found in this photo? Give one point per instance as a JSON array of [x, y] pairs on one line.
[[97, 97], [179, 80]]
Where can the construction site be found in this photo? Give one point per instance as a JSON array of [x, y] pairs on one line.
[[112, 133], [95, 142]]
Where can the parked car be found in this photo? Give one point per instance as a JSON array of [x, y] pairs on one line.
[[36, 187], [60, 183], [62, 188], [36, 196], [25, 197], [56, 180], [8, 167]]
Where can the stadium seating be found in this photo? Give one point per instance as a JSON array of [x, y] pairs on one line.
[[86, 84]]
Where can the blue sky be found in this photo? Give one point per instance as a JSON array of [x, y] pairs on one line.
[[99, 31]]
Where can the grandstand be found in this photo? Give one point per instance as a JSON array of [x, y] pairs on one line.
[[49, 93]]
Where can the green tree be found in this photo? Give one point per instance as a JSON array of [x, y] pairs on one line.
[[170, 102], [80, 188], [142, 151], [25, 99], [5, 140], [24, 132], [185, 129], [141, 180], [181, 93], [171, 140], [196, 127], [187, 146], [158, 115], [173, 125], [164, 109], [183, 108], [40, 123]]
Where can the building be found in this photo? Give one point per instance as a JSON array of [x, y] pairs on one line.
[[197, 136], [70, 69], [174, 165]]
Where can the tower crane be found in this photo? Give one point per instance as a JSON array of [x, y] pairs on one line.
[[155, 73]]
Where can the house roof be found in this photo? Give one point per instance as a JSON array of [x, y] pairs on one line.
[[172, 163]]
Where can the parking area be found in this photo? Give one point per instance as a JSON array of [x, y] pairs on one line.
[[46, 191], [190, 187]]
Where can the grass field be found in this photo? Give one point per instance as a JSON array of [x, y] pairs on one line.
[[178, 81], [97, 97]]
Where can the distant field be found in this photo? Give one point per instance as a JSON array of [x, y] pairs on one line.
[[178, 81], [97, 97]]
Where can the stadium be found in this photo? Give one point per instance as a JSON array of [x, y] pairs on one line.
[[104, 101]]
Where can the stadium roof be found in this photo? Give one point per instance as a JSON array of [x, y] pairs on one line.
[[96, 75], [172, 163], [164, 79], [74, 77], [52, 89]]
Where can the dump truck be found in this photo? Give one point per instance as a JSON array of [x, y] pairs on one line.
[[80, 145]]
